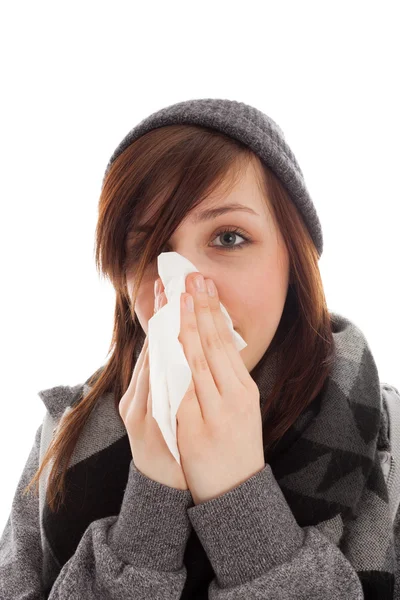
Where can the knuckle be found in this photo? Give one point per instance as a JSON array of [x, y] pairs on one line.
[[192, 326], [215, 310], [203, 306], [200, 363], [213, 341]]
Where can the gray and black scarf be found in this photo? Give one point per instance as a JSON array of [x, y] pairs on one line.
[[326, 464]]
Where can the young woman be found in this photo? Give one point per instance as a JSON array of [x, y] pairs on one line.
[[280, 491]]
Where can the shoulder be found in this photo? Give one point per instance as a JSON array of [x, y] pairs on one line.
[[390, 453], [391, 389], [56, 399], [391, 405]]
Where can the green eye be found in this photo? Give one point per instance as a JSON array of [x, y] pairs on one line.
[[235, 231]]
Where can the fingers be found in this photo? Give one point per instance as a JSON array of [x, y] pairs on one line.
[[138, 367], [143, 398], [130, 392], [161, 301], [137, 400]]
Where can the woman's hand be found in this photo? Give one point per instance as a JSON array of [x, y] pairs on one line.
[[150, 452], [219, 424]]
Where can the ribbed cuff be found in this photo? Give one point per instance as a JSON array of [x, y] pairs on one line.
[[248, 530], [153, 526]]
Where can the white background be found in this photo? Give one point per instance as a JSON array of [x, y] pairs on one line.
[[77, 76]]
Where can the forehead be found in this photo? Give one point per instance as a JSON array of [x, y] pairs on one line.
[[242, 191]]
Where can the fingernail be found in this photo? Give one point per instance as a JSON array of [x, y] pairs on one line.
[[199, 283], [189, 303], [210, 288]]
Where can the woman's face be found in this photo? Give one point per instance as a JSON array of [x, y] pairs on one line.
[[252, 282]]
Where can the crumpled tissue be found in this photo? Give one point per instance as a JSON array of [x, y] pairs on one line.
[[170, 373]]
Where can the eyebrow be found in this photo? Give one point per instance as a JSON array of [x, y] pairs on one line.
[[210, 213]]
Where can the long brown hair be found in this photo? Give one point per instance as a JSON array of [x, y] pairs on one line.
[[183, 164]]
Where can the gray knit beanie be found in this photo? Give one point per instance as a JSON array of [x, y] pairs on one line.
[[252, 127]]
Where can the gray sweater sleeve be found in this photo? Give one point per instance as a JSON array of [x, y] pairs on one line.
[[258, 550], [135, 554]]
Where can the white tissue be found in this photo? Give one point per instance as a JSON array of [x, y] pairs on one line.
[[170, 373]]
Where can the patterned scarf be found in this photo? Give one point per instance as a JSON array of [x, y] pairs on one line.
[[327, 466]]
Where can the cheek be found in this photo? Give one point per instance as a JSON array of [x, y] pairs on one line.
[[258, 298], [144, 307]]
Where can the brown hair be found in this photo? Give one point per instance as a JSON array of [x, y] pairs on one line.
[[183, 164]]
